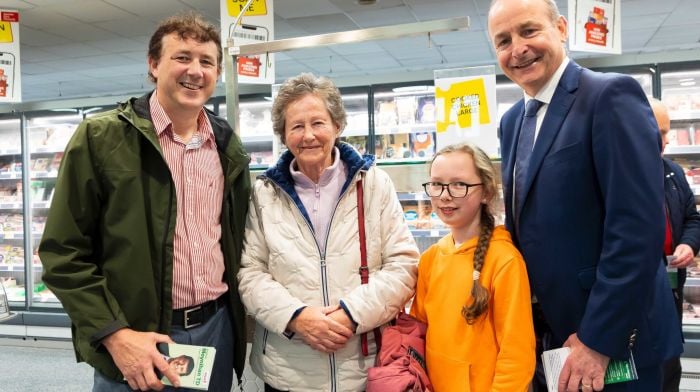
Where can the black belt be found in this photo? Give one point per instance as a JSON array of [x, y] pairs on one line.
[[198, 314]]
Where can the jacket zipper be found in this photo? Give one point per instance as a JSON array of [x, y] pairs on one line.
[[324, 276], [264, 342]]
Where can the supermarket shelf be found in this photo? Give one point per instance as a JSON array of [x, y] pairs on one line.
[[408, 196], [12, 205], [404, 128], [681, 150], [11, 176], [257, 138], [430, 232], [684, 115], [10, 151], [402, 160], [355, 132], [18, 267], [17, 235], [47, 150], [16, 205], [43, 174]]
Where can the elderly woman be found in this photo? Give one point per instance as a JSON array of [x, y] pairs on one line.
[[300, 274]]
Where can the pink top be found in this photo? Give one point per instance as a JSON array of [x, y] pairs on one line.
[[198, 262], [320, 199]]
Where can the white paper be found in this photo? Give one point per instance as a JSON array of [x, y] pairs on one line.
[[553, 361]]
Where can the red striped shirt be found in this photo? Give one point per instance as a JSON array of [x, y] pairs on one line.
[[198, 264]]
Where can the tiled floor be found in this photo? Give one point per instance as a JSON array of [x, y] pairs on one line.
[[47, 365]]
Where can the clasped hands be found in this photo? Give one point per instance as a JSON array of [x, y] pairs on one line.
[[326, 329]]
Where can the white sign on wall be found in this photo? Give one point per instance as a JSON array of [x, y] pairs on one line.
[[594, 26], [10, 76], [465, 101], [256, 26]]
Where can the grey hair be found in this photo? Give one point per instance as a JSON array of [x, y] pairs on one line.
[[299, 86], [552, 9]]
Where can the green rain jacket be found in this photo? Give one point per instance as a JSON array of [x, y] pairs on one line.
[[107, 248]]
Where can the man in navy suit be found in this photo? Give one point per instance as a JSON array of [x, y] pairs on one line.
[[589, 217]]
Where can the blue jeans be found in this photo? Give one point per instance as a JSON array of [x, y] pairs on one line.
[[217, 332]]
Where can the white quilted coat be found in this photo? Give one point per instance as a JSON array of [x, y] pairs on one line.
[[282, 270]]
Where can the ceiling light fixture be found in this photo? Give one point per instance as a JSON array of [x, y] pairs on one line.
[[366, 2]]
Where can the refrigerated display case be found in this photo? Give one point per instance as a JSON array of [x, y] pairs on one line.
[[404, 123], [11, 210], [357, 130], [256, 129], [680, 91], [48, 134]]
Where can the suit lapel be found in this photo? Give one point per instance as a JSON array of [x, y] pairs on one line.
[[558, 108], [508, 174]]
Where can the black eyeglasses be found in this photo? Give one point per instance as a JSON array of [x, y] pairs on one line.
[[456, 189]]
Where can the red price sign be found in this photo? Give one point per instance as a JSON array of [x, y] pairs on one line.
[[7, 16]]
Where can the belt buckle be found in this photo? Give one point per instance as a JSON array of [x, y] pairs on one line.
[[186, 317]]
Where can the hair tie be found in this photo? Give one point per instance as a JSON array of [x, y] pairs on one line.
[[476, 275]]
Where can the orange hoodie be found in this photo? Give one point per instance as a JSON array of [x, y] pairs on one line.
[[497, 352]]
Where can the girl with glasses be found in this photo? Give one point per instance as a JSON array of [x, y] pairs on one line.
[[473, 289]]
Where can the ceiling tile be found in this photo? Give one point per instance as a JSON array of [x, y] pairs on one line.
[[359, 47], [458, 37], [461, 54], [31, 37], [675, 35], [349, 6], [150, 7], [647, 7], [383, 17], [131, 27], [636, 22], [88, 11], [685, 13], [286, 30], [43, 19], [370, 61], [18, 5], [636, 39], [118, 45], [32, 55], [443, 10], [318, 52], [73, 51], [328, 24], [289, 9]]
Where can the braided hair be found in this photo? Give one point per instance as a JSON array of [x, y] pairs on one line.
[[478, 303], [479, 293]]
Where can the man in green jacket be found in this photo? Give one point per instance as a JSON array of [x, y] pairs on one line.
[[143, 240]]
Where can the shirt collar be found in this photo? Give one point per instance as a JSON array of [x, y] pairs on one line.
[[326, 176], [161, 120], [547, 92]]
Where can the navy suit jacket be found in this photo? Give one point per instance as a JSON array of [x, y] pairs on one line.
[[592, 219]]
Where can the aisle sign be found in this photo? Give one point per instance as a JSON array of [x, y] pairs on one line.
[[10, 83], [465, 101], [594, 26], [256, 25]]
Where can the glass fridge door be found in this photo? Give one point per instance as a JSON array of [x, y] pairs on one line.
[[404, 123], [356, 131], [12, 250], [680, 91], [256, 130], [48, 134]]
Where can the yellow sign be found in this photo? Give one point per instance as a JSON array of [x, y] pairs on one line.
[[5, 32], [258, 7], [460, 100]]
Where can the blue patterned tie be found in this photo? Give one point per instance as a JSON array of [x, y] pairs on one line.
[[526, 141]]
